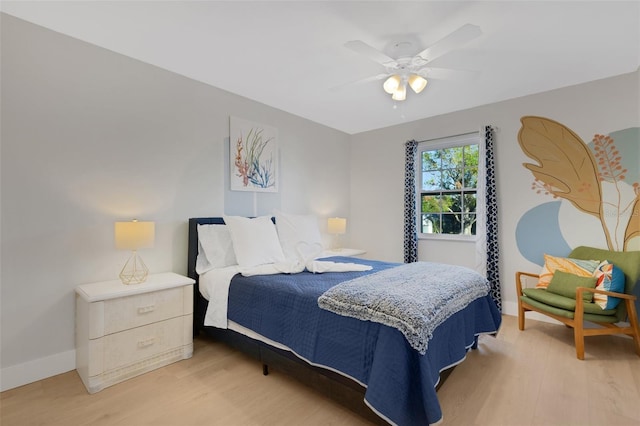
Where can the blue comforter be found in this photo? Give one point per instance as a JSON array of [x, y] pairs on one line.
[[400, 382]]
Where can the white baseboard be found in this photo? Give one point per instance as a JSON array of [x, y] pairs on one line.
[[510, 308], [38, 369]]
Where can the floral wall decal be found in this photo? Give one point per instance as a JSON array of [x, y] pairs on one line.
[[594, 182], [253, 156]]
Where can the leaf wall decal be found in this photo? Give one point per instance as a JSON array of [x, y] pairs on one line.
[[633, 227], [565, 163]]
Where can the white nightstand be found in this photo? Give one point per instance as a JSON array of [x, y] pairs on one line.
[[126, 330], [342, 252]]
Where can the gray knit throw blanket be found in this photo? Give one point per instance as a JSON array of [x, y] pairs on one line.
[[414, 298]]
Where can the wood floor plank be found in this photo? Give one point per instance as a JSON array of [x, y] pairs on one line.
[[518, 378]]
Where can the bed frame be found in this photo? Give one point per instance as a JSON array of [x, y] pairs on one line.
[[340, 388]]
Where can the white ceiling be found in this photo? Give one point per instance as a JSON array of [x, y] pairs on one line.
[[291, 55]]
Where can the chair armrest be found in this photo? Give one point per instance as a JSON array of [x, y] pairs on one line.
[[581, 290], [579, 312], [519, 280]]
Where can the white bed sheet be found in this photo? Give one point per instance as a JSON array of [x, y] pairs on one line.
[[214, 284]]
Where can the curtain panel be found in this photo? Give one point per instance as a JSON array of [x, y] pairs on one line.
[[487, 245], [410, 231]]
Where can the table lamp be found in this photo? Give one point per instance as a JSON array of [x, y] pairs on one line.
[[132, 236], [336, 226]]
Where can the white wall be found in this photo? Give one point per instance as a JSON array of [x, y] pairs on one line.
[[377, 169], [90, 137]]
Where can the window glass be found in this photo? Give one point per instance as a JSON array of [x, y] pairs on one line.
[[448, 183]]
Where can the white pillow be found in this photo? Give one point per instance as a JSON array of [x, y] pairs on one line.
[[255, 241], [297, 232], [215, 248]]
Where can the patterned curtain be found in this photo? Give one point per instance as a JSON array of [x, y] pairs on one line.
[[410, 232], [487, 226]]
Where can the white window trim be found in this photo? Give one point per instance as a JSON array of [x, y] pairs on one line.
[[448, 142]]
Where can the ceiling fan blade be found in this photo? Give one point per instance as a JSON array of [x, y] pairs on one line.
[[372, 78], [363, 48], [459, 37], [448, 74], [361, 81]]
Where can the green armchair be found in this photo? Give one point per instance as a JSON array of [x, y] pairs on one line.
[[574, 311]]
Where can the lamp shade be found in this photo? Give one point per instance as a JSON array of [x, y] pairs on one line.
[[134, 235], [400, 94], [337, 225], [391, 84], [417, 83]]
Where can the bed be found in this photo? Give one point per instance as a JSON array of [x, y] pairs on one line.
[[373, 368]]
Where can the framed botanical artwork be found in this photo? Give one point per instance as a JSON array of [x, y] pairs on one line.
[[253, 156]]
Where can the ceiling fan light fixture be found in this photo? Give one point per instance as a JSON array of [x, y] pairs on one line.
[[392, 84], [400, 94], [417, 83]]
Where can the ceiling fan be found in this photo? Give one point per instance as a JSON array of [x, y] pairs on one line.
[[413, 70]]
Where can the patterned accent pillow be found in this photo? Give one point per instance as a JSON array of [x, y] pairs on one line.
[[581, 268], [609, 278]]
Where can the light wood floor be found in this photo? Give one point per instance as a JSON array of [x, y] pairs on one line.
[[519, 378]]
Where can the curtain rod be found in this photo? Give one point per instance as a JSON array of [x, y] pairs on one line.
[[495, 129]]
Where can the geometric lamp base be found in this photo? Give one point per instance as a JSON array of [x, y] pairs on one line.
[[336, 246], [134, 271]]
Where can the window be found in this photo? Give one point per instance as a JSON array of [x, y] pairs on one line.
[[447, 186]]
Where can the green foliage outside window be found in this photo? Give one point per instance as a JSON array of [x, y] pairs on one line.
[[448, 191]]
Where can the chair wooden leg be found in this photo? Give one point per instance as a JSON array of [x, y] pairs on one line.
[[578, 327], [520, 315], [578, 335], [633, 321]]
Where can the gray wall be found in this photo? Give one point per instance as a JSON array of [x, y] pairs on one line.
[[90, 137]]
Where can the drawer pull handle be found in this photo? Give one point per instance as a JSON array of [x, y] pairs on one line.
[[146, 342], [146, 309]]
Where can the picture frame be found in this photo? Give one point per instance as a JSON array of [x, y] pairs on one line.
[[253, 156]]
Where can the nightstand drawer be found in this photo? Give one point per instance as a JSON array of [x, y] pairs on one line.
[[142, 309], [131, 346]]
